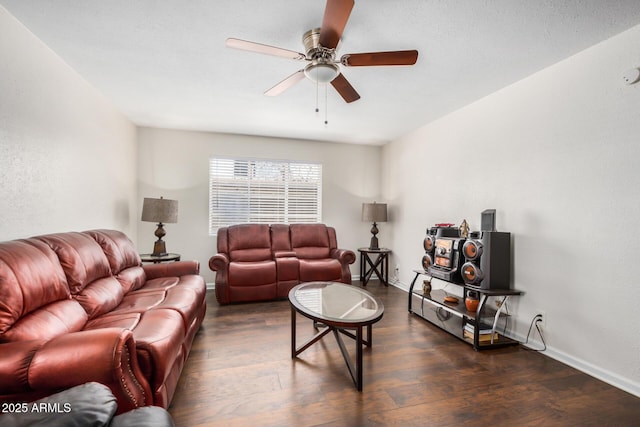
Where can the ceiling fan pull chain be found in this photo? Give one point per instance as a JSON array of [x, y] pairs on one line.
[[326, 122], [317, 97]]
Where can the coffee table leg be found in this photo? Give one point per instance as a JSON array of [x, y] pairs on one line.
[[359, 356], [293, 333]]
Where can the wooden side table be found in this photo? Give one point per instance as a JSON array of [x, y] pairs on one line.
[[379, 265], [159, 259]]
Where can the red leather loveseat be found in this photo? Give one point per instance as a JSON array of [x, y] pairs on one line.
[[80, 307], [257, 262]]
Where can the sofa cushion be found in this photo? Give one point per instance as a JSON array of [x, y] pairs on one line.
[[87, 271], [310, 240], [30, 278], [252, 273], [119, 249], [49, 321], [249, 242], [280, 239], [326, 269], [82, 259], [159, 336], [101, 296], [117, 320]]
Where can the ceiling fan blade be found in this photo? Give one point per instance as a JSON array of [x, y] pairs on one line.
[[344, 88], [398, 57], [286, 83], [336, 15], [264, 49]]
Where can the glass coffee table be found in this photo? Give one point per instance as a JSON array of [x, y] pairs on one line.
[[338, 308]]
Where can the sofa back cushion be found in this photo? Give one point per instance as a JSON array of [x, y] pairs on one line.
[[249, 243], [35, 301], [123, 257], [310, 240], [87, 270], [280, 238]]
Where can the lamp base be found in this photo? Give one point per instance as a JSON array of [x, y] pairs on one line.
[[374, 239], [374, 243], [159, 248]]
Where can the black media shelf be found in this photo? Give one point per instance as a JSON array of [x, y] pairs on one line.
[[477, 328]]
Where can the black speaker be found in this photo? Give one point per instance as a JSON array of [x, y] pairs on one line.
[[488, 261]]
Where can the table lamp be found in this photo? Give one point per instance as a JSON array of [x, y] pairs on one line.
[[374, 212], [161, 211]]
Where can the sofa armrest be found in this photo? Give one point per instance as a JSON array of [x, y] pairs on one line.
[[171, 269], [219, 263], [345, 256], [107, 356], [14, 365], [285, 254]]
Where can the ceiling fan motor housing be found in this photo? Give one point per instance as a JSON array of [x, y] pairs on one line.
[[322, 68]]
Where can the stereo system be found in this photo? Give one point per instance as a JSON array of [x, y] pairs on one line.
[[483, 260]]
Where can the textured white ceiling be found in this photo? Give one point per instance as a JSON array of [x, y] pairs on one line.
[[165, 64]]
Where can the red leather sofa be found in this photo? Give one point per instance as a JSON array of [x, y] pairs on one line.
[[257, 262], [80, 307]]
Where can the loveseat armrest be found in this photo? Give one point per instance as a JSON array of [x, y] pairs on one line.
[[107, 356], [345, 256], [284, 254], [171, 269], [219, 262]]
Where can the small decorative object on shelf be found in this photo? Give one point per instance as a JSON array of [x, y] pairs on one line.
[[426, 285], [464, 229], [472, 301], [451, 299]]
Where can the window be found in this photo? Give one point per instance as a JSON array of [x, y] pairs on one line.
[[263, 191]]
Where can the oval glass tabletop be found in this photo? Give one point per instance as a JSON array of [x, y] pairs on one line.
[[338, 302]]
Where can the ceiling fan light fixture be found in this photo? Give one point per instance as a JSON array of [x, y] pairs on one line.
[[321, 72]]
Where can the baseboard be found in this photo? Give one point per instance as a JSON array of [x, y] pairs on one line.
[[211, 286], [603, 375], [586, 367]]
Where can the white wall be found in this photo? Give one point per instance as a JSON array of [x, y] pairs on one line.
[[557, 155], [175, 164], [67, 157]]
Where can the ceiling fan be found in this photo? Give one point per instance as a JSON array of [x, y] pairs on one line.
[[320, 46]]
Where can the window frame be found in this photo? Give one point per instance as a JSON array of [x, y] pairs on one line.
[[263, 191]]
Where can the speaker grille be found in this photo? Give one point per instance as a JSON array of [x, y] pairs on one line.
[[471, 273], [429, 243], [427, 261], [472, 249]]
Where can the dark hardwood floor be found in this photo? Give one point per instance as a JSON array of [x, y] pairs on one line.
[[240, 373]]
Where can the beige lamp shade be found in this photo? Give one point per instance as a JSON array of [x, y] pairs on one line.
[[160, 211], [374, 212]]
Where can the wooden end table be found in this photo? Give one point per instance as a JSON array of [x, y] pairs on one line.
[[379, 265], [159, 259]]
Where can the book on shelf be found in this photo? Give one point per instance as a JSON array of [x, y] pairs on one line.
[[481, 337], [484, 329]]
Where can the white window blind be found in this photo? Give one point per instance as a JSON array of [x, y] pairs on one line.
[[263, 191]]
